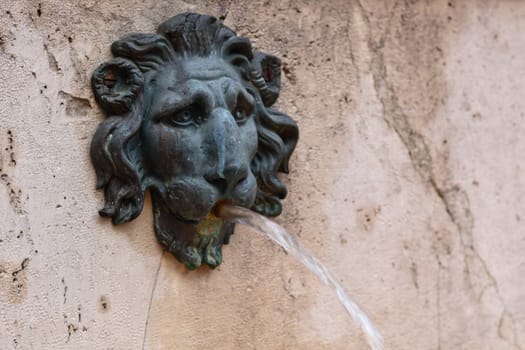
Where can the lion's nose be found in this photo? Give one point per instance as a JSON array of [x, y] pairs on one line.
[[227, 157], [227, 180]]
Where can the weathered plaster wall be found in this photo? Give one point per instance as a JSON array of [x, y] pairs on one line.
[[408, 182]]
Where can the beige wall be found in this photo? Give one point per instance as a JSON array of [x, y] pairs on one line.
[[408, 182]]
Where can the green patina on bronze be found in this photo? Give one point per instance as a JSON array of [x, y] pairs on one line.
[[189, 118]]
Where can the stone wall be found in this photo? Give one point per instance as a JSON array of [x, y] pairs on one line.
[[408, 182]]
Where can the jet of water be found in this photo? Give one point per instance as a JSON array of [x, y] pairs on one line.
[[279, 235]]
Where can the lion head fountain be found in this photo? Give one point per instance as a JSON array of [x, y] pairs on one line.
[[189, 118]]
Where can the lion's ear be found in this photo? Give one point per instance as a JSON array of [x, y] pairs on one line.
[[115, 148], [117, 84], [266, 76]]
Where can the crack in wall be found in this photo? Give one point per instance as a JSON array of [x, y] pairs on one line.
[[438, 300], [151, 300], [454, 199]]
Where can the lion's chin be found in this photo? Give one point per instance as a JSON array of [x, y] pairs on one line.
[[192, 242], [184, 219]]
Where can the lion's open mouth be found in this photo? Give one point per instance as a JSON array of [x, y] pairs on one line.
[[217, 207], [212, 215]]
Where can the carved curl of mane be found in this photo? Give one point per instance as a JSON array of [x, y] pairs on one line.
[[119, 89]]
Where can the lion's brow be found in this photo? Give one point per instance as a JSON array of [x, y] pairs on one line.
[[210, 74], [176, 102]]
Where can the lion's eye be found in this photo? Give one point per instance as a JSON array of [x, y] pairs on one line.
[[184, 117], [244, 110], [240, 115]]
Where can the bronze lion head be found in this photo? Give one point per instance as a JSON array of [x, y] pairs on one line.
[[189, 118]]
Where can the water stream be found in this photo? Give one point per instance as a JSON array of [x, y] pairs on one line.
[[279, 235]]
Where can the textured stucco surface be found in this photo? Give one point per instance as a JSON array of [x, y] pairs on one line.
[[408, 182]]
